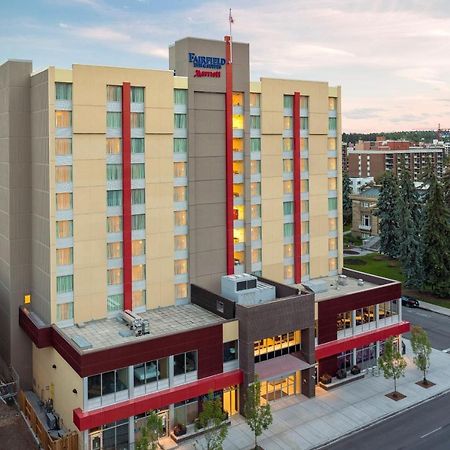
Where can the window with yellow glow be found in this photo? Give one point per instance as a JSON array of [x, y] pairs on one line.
[[332, 264], [180, 170], [332, 143], [138, 298], [64, 201], [114, 276], [63, 174], [255, 189], [288, 187], [238, 235], [180, 242], [64, 256], [181, 290], [114, 224], [332, 103], [256, 211], [239, 257], [255, 100], [332, 184], [63, 147], [287, 144], [180, 194], [238, 145], [256, 255], [239, 212], [304, 144], [63, 119], [238, 167], [64, 229], [288, 250], [138, 247], [332, 244], [288, 165], [332, 163], [114, 250], [287, 123], [332, 224], [180, 218], [238, 190], [138, 272], [180, 266], [113, 146], [289, 272], [238, 99], [238, 121], [255, 233]]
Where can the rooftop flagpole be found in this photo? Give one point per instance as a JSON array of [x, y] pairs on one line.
[[231, 21]]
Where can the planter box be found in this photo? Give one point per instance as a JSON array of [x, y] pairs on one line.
[[336, 383], [191, 432]]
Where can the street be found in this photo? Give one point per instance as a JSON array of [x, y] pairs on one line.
[[424, 427], [436, 325]]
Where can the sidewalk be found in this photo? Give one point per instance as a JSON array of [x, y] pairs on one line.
[[435, 308], [302, 423]]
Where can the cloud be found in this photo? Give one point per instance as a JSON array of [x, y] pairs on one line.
[[363, 113], [101, 34]]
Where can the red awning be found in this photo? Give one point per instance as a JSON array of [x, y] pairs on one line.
[[279, 367]]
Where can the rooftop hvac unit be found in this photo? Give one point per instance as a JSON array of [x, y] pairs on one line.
[[135, 322]]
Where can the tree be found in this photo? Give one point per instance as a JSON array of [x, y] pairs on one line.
[[212, 419], [388, 214], [346, 200], [392, 363], [409, 231], [257, 416], [150, 432], [421, 348], [435, 233]]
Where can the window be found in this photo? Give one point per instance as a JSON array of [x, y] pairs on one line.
[[332, 224], [287, 144], [304, 206], [114, 250], [180, 96], [304, 185], [137, 145], [305, 269], [63, 119], [137, 120], [138, 222], [114, 120], [180, 121], [288, 165], [255, 167], [304, 102], [256, 211], [332, 144], [332, 103], [180, 170], [180, 145], [107, 385], [64, 256], [365, 220], [332, 184], [180, 266], [305, 227], [64, 201], [64, 284], [180, 242], [114, 198], [63, 147], [113, 146], [305, 248], [332, 123], [288, 101], [332, 264], [255, 189], [304, 165], [63, 174], [184, 363], [114, 224], [287, 123], [274, 346], [238, 145], [288, 187], [151, 375], [332, 204], [288, 251], [137, 94], [114, 303], [238, 99], [255, 145], [304, 123], [180, 194], [181, 290], [238, 121], [64, 312], [113, 93], [304, 144], [137, 196], [332, 244], [332, 163], [288, 229], [180, 218], [138, 298], [113, 172], [138, 247], [255, 122], [137, 171], [255, 100], [288, 208], [256, 255], [114, 276], [64, 229], [63, 91], [288, 272], [138, 272], [230, 351], [255, 233]]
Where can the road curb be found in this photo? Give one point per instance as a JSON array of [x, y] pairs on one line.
[[433, 310], [380, 420]]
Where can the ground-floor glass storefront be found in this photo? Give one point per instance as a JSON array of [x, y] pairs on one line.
[[275, 389]]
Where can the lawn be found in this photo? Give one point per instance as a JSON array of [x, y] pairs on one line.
[[384, 266]]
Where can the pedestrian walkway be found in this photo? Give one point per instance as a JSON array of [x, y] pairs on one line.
[[302, 423], [435, 308]]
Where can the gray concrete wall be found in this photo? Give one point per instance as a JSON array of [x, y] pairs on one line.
[[15, 209]]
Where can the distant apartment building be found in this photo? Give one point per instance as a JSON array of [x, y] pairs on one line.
[[365, 222], [374, 158]]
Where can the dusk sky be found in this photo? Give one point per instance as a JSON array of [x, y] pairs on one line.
[[391, 57]]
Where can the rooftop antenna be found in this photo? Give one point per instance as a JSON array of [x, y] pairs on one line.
[[231, 21]]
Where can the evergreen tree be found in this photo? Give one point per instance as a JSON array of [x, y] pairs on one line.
[[346, 201], [435, 240], [409, 231], [388, 214], [446, 181]]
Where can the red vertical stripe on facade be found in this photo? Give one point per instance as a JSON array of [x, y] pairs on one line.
[[229, 156], [297, 193], [126, 194]]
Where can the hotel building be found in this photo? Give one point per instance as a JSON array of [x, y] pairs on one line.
[[159, 192]]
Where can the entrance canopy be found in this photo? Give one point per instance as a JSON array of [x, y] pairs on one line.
[[279, 367]]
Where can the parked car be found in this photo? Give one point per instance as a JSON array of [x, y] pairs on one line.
[[410, 302]]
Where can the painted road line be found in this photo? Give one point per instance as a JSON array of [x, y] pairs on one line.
[[431, 432]]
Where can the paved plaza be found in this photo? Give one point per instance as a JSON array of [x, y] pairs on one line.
[[302, 423]]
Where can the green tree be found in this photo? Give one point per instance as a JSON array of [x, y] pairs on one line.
[[435, 240], [387, 211], [346, 201], [392, 363], [150, 432], [212, 419], [446, 181], [421, 348], [409, 231], [257, 416]]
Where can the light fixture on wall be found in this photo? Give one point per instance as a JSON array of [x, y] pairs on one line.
[[54, 366], [74, 391]]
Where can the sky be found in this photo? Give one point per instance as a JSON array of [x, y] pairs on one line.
[[391, 57]]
